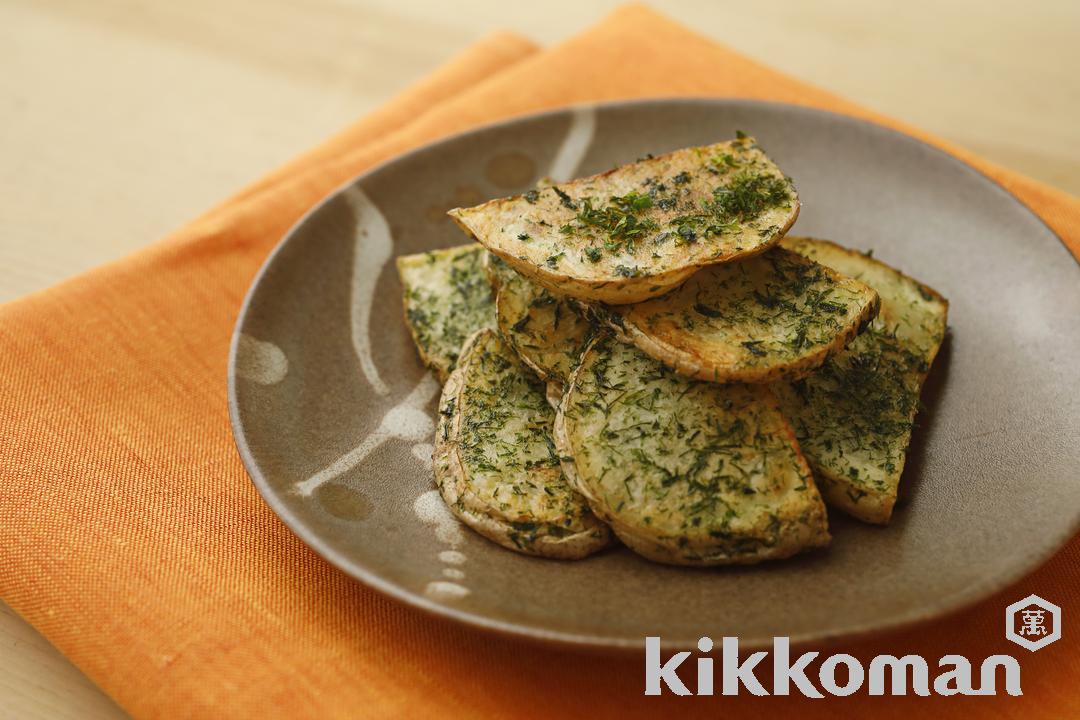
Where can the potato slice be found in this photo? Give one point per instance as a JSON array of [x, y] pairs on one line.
[[853, 417], [447, 298], [776, 315], [497, 270], [686, 472], [495, 462], [640, 230], [547, 331]]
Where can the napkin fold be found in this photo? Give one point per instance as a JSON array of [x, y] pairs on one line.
[[133, 539]]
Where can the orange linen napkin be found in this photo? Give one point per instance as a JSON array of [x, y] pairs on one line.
[[133, 539]]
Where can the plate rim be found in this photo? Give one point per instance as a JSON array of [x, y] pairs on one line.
[[950, 605]]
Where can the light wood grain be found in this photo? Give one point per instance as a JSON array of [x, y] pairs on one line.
[[119, 120]]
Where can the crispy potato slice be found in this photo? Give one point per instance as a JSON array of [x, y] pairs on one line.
[[776, 315], [495, 462], [853, 417], [497, 270], [447, 298], [686, 472], [547, 331], [640, 230]]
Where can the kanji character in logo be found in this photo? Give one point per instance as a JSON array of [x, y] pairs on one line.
[[1033, 622]]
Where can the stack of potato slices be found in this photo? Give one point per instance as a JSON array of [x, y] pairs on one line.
[[643, 355]]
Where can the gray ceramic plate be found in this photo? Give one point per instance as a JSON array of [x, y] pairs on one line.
[[332, 410]]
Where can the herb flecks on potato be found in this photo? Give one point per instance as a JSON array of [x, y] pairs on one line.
[[775, 315], [447, 298], [686, 472], [495, 461], [640, 230], [854, 416]]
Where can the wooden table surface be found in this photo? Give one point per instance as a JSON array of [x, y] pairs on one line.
[[122, 119]]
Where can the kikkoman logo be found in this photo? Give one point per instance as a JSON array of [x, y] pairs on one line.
[[887, 674], [1032, 623]]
